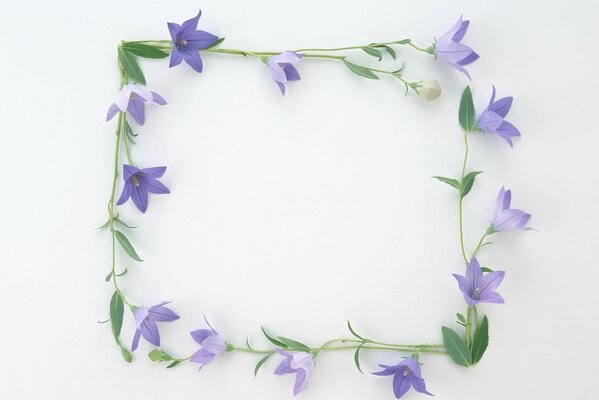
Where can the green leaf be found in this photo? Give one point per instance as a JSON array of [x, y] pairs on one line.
[[173, 364], [461, 318], [216, 43], [359, 70], [122, 223], [451, 182], [405, 41], [468, 181], [466, 114], [260, 363], [116, 314], [159, 355], [126, 355], [481, 340], [354, 332], [390, 50], [143, 50], [486, 269], [357, 357], [293, 344], [131, 67], [127, 245], [273, 340], [108, 277], [456, 347], [373, 52]]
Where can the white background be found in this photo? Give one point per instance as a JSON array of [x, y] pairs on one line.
[[297, 213]]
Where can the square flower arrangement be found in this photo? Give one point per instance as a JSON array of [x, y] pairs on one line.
[[465, 346]]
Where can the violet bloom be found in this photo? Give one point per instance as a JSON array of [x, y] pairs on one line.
[[406, 374], [132, 99], [212, 345], [140, 182], [146, 318], [506, 218], [479, 288], [492, 119], [188, 41], [282, 70], [449, 49], [299, 363]]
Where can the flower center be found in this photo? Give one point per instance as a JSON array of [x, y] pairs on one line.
[[476, 293], [180, 43], [406, 371], [135, 180]]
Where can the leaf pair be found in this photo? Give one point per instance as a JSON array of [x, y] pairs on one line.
[[373, 50], [127, 53], [458, 349], [286, 343], [465, 186]]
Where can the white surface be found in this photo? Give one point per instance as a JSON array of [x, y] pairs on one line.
[[297, 213]]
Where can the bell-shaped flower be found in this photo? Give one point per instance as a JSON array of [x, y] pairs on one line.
[[212, 345], [492, 119], [133, 99], [188, 41], [406, 375], [282, 70], [479, 288], [145, 320], [140, 182], [506, 218], [299, 363], [449, 49]]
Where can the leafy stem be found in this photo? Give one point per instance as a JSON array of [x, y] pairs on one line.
[[462, 199]]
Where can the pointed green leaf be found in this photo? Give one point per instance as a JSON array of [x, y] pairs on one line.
[[144, 50], [466, 114], [215, 43], [451, 182], [486, 269], [173, 364], [373, 52], [273, 340], [461, 318], [131, 67], [357, 357], [481, 340], [116, 314], [293, 344], [456, 347], [405, 41], [260, 363], [468, 181], [390, 50], [359, 70], [126, 245], [354, 332]]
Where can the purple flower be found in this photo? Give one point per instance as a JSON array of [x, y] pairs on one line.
[[492, 119], [146, 318], [449, 49], [506, 218], [478, 288], [212, 345], [140, 182], [298, 363], [132, 100], [406, 374], [282, 70], [187, 42]]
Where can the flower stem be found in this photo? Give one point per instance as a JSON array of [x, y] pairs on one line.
[[461, 211], [398, 42]]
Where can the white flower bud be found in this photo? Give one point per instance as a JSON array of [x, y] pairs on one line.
[[430, 90]]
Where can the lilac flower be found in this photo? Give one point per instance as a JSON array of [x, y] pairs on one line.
[[449, 49], [188, 41], [406, 374], [492, 119], [212, 345], [506, 218], [478, 288], [132, 99], [146, 318], [298, 363], [282, 70], [140, 182]]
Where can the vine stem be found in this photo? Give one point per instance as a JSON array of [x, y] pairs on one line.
[[461, 206]]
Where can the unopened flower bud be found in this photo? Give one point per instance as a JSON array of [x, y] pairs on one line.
[[430, 90]]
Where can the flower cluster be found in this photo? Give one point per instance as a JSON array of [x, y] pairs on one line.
[[478, 285]]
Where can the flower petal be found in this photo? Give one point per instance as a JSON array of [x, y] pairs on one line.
[[112, 110], [191, 24], [135, 341], [199, 335], [492, 297], [197, 40], [176, 57], [192, 58], [301, 381], [174, 30], [125, 194], [215, 344], [139, 195], [129, 171], [157, 99], [136, 108], [149, 330], [401, 384], [491, 281], [202, 356], [419, 385], [153, 185], [161, 313], [291, 72]]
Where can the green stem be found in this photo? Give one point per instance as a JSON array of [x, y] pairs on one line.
[[398, 42], [480, 243], [469, 327], [462, 247]]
